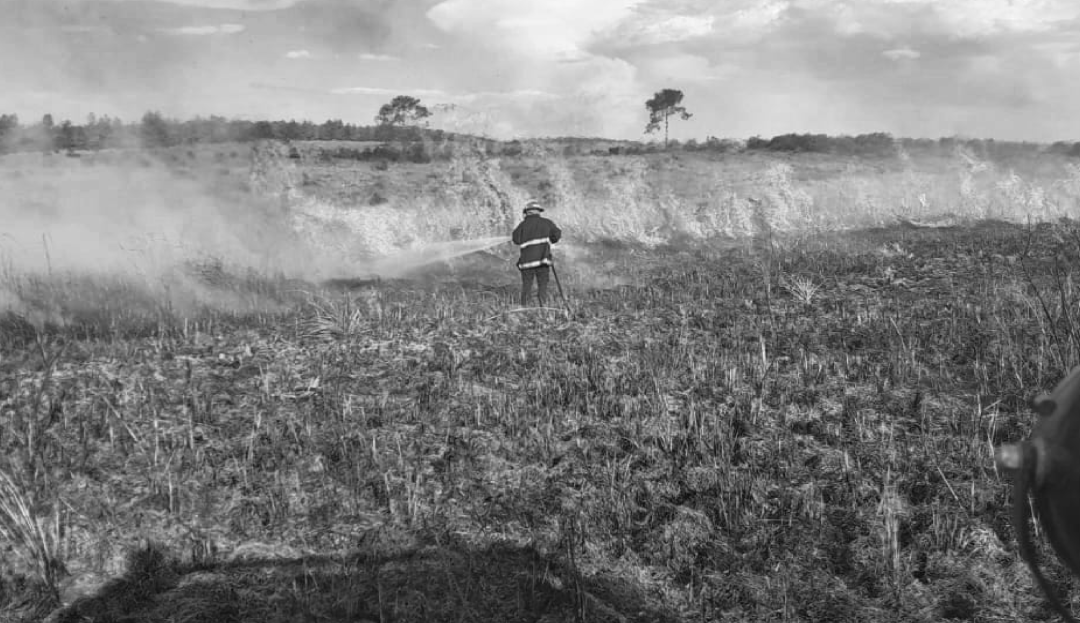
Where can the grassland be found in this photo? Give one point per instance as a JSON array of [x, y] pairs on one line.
[[781, 413]]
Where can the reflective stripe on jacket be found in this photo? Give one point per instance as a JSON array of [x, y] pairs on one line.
[[534, 237]]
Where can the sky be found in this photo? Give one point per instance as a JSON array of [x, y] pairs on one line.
[[1002, 69]]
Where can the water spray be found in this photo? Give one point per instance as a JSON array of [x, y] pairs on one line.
[[432, 253]]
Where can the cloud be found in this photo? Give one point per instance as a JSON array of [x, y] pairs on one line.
[[1061, 54], [269, 86], [681, 68], [899, 54], [368, 56], [647, 29], [854, 64], [851, 63], [81, 29], [955, 18], [596, 97], [916, 66], [448, 96], [520, 95], [387, 91], [988, 17], [549, 30], [667, 22], [238, 5], [222, 29], [551, 78], [352, 27], [757, 16]]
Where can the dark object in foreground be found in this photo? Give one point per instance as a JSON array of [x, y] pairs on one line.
[[506, 582], [540, 275], [1047, 466]]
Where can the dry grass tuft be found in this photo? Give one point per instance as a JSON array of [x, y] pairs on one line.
[[32, 531]]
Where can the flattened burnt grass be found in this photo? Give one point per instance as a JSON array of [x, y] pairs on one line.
[[703, 440]]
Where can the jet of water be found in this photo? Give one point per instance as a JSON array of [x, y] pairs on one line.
[[431, 253]]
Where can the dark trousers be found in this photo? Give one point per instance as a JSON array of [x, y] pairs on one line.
[[540, 273]]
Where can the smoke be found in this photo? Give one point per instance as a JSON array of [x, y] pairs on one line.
[[63, 215], [190, 229], [158, 222], [83, 239]]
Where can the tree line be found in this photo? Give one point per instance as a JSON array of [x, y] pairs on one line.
[[155, 130], [667, 103], [398, 135]]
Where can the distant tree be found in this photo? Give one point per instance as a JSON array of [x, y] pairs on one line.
[[70, 137], [725, 145], [402, 110], [290, 130], [215, 130], [800, 143], [661, 107], [154, 130], [1057, 147], [92, 133], [756, 142], [9, 124], [923, 146], [105, 132], [262, 130], [332, 130], [875, 144], [47, 137]]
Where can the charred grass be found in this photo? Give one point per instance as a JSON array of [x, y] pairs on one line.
[[796, 430]]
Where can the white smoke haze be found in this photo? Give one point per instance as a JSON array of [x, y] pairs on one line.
[[191, 229], [151, 227], [105, 219], [141, 221], [70, 232]]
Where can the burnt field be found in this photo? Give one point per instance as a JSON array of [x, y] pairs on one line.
[[776, 428]]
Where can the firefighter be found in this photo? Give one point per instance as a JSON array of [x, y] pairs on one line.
[[534, 236]]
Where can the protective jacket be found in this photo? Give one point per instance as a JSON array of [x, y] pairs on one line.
[[534, 236]]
